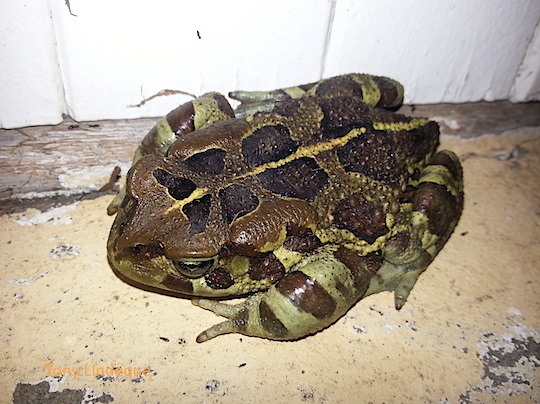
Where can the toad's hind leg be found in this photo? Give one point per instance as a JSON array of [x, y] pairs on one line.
[[423, 226], [373, 90], [324, 286], [186, 118], [319, 291]]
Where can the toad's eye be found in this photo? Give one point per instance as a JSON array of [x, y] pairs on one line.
[[194, 267]]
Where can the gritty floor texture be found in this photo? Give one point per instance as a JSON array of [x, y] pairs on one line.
[[71, 331]]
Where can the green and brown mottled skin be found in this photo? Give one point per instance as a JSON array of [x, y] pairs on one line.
[[307, 200]]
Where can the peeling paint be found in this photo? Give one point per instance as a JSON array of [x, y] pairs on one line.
[[47, 390], [510, 362], [87, 178], [450, 122], [58, 216]]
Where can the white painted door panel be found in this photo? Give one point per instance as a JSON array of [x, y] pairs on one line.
[[115, 53], [442, 51], [31, 90], [527, 84]]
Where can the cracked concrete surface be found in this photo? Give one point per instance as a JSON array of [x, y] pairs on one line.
[[73, 332]]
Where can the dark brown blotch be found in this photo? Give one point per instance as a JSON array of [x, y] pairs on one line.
[[407, 196], [302, 244], [365, 219], [306, 294], [219, 278], [341, 288], [388, 90], [237, 201], [341, 115], [267, 144], [399, 244], [362, 268], [179, 188], [197, 213], [418, 142], [270, 322], [439, 205], [340, 86], [208, 162], [373, 155], [181, 120], [301, 178], [223, 104], [286, 107], [443, 159], [267, 267], [147, 252], [178, 284]]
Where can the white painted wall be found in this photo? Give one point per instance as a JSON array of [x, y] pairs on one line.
[[31, 91], [115, 53], [527, 83]]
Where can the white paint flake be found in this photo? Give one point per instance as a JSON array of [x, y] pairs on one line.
[[58, 216]]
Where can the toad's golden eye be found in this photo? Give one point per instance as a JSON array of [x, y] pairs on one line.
[[194, 267]]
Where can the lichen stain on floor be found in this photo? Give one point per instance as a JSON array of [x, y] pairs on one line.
[[469, 332]]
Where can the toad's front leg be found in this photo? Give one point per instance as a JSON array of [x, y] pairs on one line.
[[315, 294]]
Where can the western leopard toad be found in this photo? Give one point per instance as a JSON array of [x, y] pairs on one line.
[[305, 200]]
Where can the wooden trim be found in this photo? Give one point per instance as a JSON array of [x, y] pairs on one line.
[[78, 158], [69, 158]]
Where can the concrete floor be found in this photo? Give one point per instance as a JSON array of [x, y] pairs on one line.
[[470, 331]]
